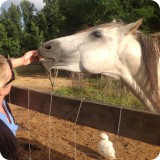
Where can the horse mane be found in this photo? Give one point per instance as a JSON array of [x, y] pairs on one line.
[[105, 25], [150, 46]]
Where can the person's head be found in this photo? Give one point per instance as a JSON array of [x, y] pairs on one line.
[[6, 76]]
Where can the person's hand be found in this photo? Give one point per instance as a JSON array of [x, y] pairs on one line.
[[29, 57]]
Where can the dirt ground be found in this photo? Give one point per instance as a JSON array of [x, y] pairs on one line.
[[41, 82], [47, 138]]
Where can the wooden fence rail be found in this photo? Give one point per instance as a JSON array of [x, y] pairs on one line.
[[138, 125]]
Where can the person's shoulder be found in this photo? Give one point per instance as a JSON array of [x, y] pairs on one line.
[[2, 126]]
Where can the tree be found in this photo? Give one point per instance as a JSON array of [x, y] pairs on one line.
[[51, 20], [28, 14], [85, 13], [33, 39], [3, 38], [31, 35], [11, 21], [42, 22]]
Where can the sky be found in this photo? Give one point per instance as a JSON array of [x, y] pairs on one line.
[[38, 3], [6, 3], [2, 2]]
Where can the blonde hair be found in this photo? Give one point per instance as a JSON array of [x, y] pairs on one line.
[[4, 74]]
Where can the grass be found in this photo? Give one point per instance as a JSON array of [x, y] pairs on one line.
[[103, 90]]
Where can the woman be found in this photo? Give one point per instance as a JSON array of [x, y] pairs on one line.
[[8, 128]]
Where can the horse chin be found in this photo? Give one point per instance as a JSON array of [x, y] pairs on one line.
[[48, 64], [41, 58]]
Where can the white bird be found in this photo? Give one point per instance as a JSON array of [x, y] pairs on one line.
[[1, 157], [158, 157], [105, 147]]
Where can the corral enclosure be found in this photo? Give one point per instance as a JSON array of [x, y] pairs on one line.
[[58, 137]]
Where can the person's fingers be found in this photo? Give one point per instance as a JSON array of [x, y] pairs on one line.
[[35, 53], [34, 59]]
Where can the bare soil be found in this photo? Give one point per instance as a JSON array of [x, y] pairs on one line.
[[41, 82], [48, 138]]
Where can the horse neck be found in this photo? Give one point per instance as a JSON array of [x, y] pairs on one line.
[[150, 58], [145, 83], [150, 92], [142, 91]]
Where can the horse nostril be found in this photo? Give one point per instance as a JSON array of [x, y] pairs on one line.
[[47, 46]]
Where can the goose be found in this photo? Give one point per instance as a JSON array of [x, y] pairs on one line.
[[105, 147], [158, 157]]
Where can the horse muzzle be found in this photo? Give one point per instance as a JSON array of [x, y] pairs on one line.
[[47, 62]]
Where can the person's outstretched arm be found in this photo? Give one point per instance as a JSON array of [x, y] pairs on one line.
[[27, 58]]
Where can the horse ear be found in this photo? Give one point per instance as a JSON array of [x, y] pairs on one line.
[[132, 27]]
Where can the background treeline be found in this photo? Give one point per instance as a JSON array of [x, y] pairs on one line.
[[23, 27]]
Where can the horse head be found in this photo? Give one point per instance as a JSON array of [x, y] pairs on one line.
[[113, 49]]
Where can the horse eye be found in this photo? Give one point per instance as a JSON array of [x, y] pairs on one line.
[[47, 46], [97, 34]]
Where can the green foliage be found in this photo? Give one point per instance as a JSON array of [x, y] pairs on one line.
[[53, 20], [100, 90], [31, 40], [42, 22], [11, 19], [11, 47], [85, 13], [3, 36], [10, 31], [28, 12]]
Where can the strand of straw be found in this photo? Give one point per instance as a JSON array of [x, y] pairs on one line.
[[28, 123], [50, 107], [49, 121], [120, 116], [119, 122], [75, 147]]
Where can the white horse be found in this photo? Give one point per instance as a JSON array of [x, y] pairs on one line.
[[113, 49]]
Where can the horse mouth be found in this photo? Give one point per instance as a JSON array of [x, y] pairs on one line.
[[42, 54], [47, 63], [41, 58]]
